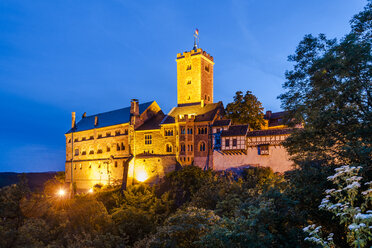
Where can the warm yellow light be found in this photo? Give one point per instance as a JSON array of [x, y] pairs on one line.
[[90, 191], [141, 175], [61, 192]]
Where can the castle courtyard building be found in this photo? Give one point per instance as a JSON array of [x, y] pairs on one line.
[[141, 143]]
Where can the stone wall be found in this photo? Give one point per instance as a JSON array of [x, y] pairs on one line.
[[278, 159]]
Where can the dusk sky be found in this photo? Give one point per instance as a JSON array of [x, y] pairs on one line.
[[94, 56]]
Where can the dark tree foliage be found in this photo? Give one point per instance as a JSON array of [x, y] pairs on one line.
[[246, 109], [329, 91]]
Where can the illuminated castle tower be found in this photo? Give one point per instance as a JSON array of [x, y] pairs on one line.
[[194, 76]]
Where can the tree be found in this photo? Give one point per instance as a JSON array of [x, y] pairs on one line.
[[330, 91], [246, 109]]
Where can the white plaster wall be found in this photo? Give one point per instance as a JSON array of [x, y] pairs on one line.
[[278, 159]]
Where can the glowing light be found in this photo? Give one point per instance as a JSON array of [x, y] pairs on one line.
[[90, 191], [61, 192], [141, 175]]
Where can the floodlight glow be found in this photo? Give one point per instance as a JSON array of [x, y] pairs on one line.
[[141, 175], [90, 191], [61, 192]]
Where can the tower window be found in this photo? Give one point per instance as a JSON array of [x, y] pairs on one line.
[[117, 147], [209, 98], [108, 149], [188, 67], [202, 147], [188, 81], [206, 68], [116, 164], [122, 146]]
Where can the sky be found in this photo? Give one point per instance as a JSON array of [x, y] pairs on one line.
[[93, 56]]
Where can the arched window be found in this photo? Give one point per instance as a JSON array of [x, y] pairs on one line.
[[117, 147], [202, 146], [169, 148]]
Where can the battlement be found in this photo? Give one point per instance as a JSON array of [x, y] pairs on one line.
[[193, 53]]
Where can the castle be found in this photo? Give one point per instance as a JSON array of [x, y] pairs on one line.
[[141, 143]]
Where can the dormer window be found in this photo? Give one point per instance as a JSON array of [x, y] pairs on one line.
[[188, 67]]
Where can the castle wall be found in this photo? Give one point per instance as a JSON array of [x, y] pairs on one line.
[[278, 159]]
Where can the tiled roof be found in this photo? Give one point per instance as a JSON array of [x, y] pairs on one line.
[[106, 119], [219, 123], [269, 132], [236, 130], [206, 113], [153, 122], [276, 119]]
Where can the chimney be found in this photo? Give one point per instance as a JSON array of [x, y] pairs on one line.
[[73, 124], [95, 121], [134, 111], [268, 114]]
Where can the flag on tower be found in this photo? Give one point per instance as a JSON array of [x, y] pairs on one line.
[[196, 32]]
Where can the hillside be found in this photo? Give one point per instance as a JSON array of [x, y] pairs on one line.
[[35, 180]]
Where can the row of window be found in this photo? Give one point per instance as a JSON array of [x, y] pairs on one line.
[[99, 165], [206, 68], [119, 147], [108, 134], [168, 132], [202, 147]]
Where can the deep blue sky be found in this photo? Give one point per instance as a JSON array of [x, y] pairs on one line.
[[93, 56]]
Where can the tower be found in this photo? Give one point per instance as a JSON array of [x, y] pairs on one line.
[[194, 77]]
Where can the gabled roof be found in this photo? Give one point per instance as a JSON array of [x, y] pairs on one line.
[[236, 130], [114, 117], [268, 132], [220, 123], [205, 113], [276, 119], [153, 122]]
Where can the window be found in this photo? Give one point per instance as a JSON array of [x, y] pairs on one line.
[[117, 132], [69, 141], [108, 149], [99, 165], [206, 68], [83, 153], [116, 164], [263, 149], [235, 142], [191, 147], [83, 138], [91, 152], [188, 67], [202, 147], [189, 131], [99, 136], [108, 134], [209, 98], [76, 152], [206, 130], [76, 140], [122, 146], [168, 132], [189, 82], [169, 148], [218, 130], [117, 147], [90, 166], [182, 130], [126, 131], [148, 139], [81, 166], [91, 137], [227, 142], [183, 148], [99, 151]]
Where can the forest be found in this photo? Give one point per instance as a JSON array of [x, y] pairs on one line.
[[325, 201]]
